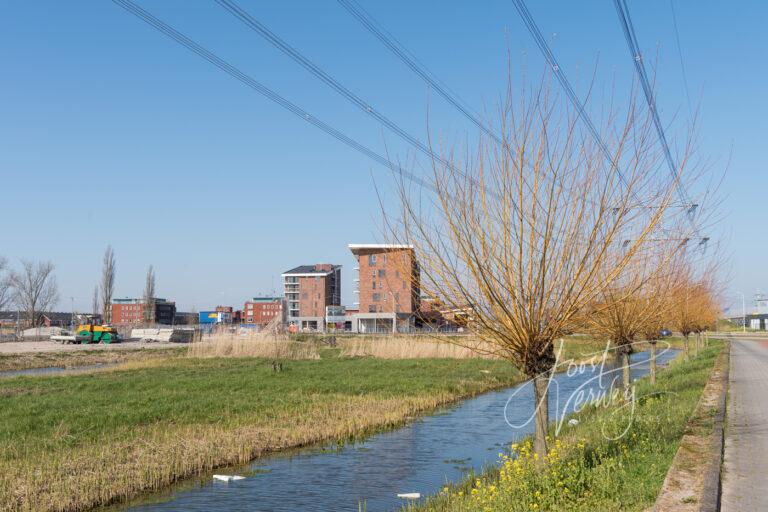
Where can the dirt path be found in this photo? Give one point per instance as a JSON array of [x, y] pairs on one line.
[[27, 347]]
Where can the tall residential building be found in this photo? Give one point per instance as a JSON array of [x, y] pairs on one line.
[[388, 287], [308, 290], [131, 311], [262, 310]]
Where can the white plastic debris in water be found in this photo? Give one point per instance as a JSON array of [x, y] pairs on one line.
[[227, 478], [573, 421], [410, 495], [485, 371]]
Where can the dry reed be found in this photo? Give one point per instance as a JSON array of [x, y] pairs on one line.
[[158, 456], [411, 348], [253, 346]]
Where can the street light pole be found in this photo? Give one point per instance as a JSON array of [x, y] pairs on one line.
[[743, 313]]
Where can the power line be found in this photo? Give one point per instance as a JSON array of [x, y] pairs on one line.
[[326, 78], [680, 55], [236, 73], [541, 42], [551, 59], [622, 10], [413, 63]]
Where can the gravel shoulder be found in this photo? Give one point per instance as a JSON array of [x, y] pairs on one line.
[[25, 347]]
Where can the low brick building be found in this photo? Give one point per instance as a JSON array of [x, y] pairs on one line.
[[262, 310], [131, 311], [388, 287]]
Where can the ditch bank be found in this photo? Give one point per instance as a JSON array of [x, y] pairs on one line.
[[693, 481]]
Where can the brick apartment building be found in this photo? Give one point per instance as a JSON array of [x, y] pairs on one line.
[[388, 287], [308, 290], [262, 310], [131, 311]]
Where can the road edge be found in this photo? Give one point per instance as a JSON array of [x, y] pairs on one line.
[[693, 482]]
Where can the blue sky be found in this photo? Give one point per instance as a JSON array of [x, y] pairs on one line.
[[110, 133]]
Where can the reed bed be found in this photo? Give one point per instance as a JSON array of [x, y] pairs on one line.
[[112, 472], [253, 346], [410, 347]]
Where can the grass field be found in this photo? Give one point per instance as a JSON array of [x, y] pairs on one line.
[[70, 442], [74, 441], [586, 469]]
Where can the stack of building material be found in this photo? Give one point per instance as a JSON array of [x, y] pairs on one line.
[[40, 333], [164, 334]]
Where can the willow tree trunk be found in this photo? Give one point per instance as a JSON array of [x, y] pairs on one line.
[[696, 345], [685, 347], [541, 414], [625, 374], [653, 361]]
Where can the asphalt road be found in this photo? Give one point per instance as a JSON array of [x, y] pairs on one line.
[[745, 478]]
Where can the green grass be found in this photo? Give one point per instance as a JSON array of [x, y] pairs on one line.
[[587, 471], [220, 391], [157, 421]]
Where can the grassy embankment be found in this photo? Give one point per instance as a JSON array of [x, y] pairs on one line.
[[586, 469], [74, 441]]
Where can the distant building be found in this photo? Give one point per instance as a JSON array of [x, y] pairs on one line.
[[388, 287], [756, 317], [309, 289], [56, 319], [131, 311], [185, 318], [262, 310], [215, 317], [761, 304]]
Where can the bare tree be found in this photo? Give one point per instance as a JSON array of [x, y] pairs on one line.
[[630, 308], [527, 233], [5, 284], [657, 315], [107, 286], [149, 296], [96, 304], [34, 289]]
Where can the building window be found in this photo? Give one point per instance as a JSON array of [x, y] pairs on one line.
[[376, 297], [397, 274], [372, 308], [371, 260], [382, 272], [305, 295], [373, 285]]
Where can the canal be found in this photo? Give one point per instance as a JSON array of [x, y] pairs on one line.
[[420, 457]]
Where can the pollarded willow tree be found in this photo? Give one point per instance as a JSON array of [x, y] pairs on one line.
[[657, 294], [524, 234], [634, 307]]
